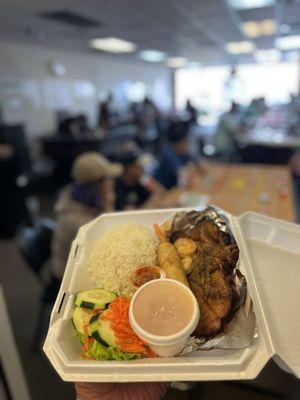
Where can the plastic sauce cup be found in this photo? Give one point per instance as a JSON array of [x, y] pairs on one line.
[[145, 274], [156, 293]]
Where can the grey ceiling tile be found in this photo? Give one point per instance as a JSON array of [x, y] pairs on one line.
[[257, 13]]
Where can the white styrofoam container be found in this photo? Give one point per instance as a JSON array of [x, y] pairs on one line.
[[270, 260]]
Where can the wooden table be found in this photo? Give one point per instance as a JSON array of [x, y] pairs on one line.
[[239, 188]]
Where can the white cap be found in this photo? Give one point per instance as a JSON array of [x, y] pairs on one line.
[[91, 166]]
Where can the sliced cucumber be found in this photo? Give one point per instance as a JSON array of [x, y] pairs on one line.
[[101, 331], [94, 299], [81, 317]]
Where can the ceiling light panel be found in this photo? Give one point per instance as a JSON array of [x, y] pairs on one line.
[[152, 55], [249, 4], [112, 45], [254, 29], [176, 62], [243, 47]]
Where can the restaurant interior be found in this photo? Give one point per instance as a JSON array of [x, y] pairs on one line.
[[198, 102]]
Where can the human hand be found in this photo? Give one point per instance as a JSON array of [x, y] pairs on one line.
[[121, 391]]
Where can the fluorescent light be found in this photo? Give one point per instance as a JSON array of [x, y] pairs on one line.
[[254, 29], [112, 45], [269, 55], [152, 55], [243, 47], [247, 4], [194, 64], [288, 42], [176, 62]]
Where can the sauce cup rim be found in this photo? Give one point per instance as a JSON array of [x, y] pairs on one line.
[[168, 339]]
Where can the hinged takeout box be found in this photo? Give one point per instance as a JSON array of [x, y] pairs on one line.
[[270, 260]]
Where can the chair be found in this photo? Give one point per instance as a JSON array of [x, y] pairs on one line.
[[16, 136], [34, 244]]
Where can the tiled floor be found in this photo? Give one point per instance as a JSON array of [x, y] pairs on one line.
[[22, 292]]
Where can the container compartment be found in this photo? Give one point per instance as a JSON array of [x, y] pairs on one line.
[[253, 234]]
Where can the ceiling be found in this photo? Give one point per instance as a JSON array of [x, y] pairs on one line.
[[195, 29]]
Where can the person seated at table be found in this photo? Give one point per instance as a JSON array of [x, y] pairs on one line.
[[107, 116], [191, 112], [255, 109], [134, 188], [225, 137], [148, 121], [70, 129], [175, 157], [90, 194], [84, 127]]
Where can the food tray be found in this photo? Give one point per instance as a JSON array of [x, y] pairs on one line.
[[270, 260]]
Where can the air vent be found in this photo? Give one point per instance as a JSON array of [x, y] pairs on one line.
[[71, 18]]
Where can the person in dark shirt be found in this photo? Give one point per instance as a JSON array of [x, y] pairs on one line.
[[191, 112], [175, 156], [130, 193]]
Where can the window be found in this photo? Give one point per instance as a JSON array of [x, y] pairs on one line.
[[212, 88]]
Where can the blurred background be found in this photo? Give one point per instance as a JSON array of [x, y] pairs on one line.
[[197, 100]]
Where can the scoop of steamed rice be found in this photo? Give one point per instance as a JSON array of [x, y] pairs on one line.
[[118, 253]]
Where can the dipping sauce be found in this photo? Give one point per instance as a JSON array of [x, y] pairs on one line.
[[145, 274], [163, 309]]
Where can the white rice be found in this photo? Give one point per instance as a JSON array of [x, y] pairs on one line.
[[118, 253]]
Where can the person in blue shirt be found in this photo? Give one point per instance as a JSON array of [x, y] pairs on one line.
[[175, 156]]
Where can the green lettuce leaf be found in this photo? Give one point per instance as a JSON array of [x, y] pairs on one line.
[[100, 352], [80, 336]]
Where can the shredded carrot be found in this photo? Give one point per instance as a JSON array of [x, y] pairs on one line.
[[85, 330], [160, 233], [86, 344], [126, 339], [150, 353]]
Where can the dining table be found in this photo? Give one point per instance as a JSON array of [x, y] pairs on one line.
[[270, 138], [237, 188]]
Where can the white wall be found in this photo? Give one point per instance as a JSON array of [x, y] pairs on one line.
[[29, 93]]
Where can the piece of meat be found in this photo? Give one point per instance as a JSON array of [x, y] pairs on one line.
[[218, 293], [213, 294], [208, 233], [210, 277], [213, 270], [209, 323]]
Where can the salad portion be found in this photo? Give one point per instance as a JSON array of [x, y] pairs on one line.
[[101, 322]]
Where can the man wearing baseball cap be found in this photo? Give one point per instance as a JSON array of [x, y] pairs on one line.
[[90, 194]]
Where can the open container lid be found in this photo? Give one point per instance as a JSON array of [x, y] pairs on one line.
[[269, 258], [272, 249]]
